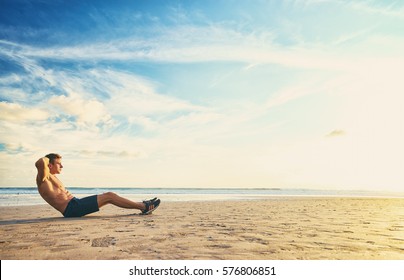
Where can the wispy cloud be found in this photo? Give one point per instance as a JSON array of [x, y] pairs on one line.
[[336, 133], [393, 9], [390, 8]]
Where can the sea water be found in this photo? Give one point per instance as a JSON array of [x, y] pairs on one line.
[[19, 196]]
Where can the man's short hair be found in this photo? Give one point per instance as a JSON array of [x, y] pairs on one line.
[[52, 157]]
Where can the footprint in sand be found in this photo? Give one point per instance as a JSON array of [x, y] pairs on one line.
[[103, 242]]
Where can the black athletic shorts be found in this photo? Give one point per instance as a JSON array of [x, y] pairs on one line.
[[78, 207]]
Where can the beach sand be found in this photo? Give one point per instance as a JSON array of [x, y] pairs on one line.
[[277, 228]]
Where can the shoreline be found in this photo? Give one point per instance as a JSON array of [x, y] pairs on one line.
[[21, 196], [36, 200], [278, 228]]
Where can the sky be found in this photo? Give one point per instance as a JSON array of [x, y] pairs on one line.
[[223, 93]]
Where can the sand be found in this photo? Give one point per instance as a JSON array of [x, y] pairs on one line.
[[277, 228]]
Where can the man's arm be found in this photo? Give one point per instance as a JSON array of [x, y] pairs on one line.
[[43, 170]]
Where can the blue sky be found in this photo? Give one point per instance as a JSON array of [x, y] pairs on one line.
[[302, 93]]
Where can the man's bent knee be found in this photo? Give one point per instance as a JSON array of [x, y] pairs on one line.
[[110, 195], [106, 198]]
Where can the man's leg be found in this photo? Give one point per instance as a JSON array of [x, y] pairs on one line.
[[113, 198]]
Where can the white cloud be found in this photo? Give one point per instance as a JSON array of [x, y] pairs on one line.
[[16, 113], [90, 112], [10, 79]]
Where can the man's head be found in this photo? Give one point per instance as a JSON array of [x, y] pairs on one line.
[[55, 163]]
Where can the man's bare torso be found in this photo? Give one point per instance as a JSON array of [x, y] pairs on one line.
[[51, 188]]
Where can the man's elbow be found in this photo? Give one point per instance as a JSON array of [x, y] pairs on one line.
[[40, 163]]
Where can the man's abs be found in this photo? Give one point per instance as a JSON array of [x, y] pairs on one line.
[[55, 195]]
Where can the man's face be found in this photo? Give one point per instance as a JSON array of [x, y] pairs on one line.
[[56, 167]]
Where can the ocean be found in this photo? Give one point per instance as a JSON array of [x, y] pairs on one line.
[[19, 196]]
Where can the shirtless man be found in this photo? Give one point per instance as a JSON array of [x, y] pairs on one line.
[[53, 192]]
